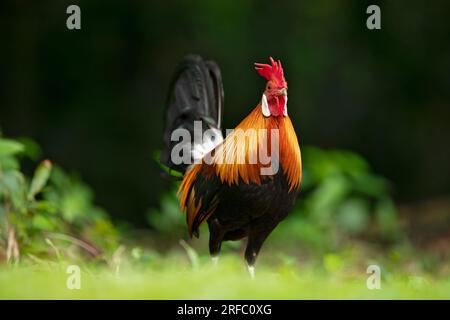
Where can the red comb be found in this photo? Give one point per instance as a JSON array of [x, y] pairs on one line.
[[272, 72]]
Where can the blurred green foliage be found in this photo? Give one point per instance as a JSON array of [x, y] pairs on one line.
[[49, 221], [340, 199], [49, 207]]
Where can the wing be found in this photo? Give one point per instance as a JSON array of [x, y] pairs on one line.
[[199, 196], [200, 189]]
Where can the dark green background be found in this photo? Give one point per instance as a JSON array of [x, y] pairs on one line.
[[94, 98]]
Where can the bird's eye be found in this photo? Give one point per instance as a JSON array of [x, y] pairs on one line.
[[268, 87]]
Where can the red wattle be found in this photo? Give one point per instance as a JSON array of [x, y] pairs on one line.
[[281, 104], [276, 105]]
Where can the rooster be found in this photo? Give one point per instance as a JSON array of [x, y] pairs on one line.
[[221, 185]]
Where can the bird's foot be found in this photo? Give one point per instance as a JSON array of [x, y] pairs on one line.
[[215, 260], [251, 270]]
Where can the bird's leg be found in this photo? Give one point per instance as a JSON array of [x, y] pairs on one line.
[[215, 239], [255, 241]]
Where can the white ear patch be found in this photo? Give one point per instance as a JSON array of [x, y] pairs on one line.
[[265, 106], [285, 107]]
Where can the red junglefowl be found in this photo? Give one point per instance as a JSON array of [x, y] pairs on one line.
[[228, 182]]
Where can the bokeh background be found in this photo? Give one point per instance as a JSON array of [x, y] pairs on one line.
[[94, 98], [371, 109]]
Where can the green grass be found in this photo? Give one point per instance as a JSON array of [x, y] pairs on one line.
[[175, 278]]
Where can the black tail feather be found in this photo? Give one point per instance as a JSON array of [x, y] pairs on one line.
[[195, 93]]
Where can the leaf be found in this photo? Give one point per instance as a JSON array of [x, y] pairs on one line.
[[349, 162], [76, 202], [44, 206], [327, 196], [13, 186], [371, 185], [9, 163], [386, 216], [40, 179], [10, 147], [32, 149], [353, 215], [169, 217], [41, 222]]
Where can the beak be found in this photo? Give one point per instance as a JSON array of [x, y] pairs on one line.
[[282, 92]]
